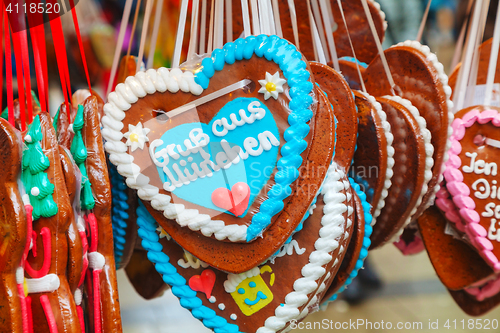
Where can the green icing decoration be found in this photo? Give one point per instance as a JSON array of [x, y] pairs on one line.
[[79, 152], [56, 118], [34, 164]]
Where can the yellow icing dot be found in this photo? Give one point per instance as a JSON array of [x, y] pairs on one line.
[[25, 287], [134, 137], [270, 86]]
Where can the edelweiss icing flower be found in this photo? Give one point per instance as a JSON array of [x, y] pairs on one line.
[[136, 136], [272, 85]]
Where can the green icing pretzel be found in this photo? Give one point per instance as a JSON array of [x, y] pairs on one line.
[[34, 163], [79, 153]]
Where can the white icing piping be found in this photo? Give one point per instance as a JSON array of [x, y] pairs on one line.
[[119, 102], [331, 230], [443, 78], [289, 249], [382, 16], [390, 155], [429, 161], [233, 280], [192, 261]]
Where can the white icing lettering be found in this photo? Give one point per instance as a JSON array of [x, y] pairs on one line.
[[249, 144], [267, 140], [480, 166], [493, 233], [256, 112], [483, 191], [491, 210]]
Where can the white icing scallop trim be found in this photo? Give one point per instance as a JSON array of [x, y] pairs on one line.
[[429, 151], [390, 155], [443, 78], [119, 101], [332, 229], [382, 15]]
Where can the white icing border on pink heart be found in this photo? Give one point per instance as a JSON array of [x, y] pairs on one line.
[[457, 188]]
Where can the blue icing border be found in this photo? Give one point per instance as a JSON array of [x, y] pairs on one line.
[[354, 60], [187, 296], [294, 70], [119, 213], [366, 240]]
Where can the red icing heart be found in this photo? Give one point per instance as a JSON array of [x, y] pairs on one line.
[[235, 201], [203, 282]]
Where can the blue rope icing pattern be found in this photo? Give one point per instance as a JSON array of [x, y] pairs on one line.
[[180, 288], [294, 70], [366, 240], [119, 213]]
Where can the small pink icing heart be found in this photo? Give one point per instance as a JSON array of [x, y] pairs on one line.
[[235, 201]]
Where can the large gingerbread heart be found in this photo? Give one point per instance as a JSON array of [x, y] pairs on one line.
[[471, 178], [342, 99], [267, 297], [234, 138], [281, 125], [419, 78], [412, 168]]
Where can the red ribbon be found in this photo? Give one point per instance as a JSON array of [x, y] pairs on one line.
[[8, 70], [80, 44], [20, 82]]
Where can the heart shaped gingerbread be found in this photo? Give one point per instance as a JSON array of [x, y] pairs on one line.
[[267, 297], [471, 178], [177, 147]]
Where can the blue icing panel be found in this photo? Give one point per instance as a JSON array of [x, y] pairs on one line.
[[254, 171]]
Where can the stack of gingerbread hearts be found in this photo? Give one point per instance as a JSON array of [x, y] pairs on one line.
[[242, 211]]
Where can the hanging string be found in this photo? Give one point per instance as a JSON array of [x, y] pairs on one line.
[[492, 65], [8, 71], [325, 12], [459, 94], [318, 48], [318, 19], [255, 18], [193, 36], [154, 36], [270, 17], [80, 44], [145, 24], [211, 28], [219, 24], [264, 23], [424, 21], [119, 45], [350, 43], [293, 18], [379, 46], [246, 18], [461, 38], [277, 20], [203, 26], [229, 21], [472, 82], [134, 24], [180, 34]]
